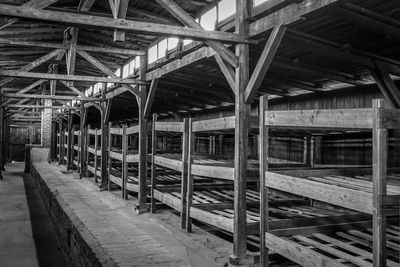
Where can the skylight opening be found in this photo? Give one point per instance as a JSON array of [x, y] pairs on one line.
[[162, 48], [259, 2], [226, 8], [152, 55], [209, 19]]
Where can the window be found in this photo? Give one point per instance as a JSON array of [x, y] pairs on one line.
[[226, 8], [187, 41], [137, 63], [132, 66], [208, 20], [162, 48], [152, 54], [258, 2], [172, 43], [118, 72], [125, 71]]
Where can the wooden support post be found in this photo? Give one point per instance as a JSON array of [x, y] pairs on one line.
[[185, 175], [263, 158], [189, 194], [62, 140], [307, 151], [87, 150], [72, 144], [124, 163], [83, 142], [241, 138], [96, 144], [142, 196], [312, 151], [69, 140], [104, 152], [2, 147], [78, 152], [153, 162], [109, 158], [380, 153], [221, 144]]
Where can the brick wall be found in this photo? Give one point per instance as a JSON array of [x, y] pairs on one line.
[[46, 124]]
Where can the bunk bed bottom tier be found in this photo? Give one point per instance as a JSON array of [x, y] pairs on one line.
[[351, 189]]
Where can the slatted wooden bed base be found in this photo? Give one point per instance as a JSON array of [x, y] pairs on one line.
[[350, 188]]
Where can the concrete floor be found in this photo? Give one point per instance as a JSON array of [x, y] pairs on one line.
[[27, 235]]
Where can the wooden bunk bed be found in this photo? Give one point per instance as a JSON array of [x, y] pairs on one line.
[[373, 191], [93, 153], [199, 173]]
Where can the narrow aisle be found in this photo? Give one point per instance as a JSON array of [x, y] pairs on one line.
[[27, 236], [17, 247]]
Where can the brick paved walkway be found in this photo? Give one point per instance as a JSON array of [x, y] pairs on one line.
[[126, 238]]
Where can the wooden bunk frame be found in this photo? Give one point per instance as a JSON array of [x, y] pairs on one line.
[[376, 197], [94, 151]]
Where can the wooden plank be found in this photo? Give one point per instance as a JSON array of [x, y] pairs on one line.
[[162, 126], [264, 62], [140, 27], [263, 163], [116, 131], [340, 196], [242, 113], [379, 165], [53, 97], [132, 130], [153, 163], [41, 107], [166, 162], [150, 97], [323, 118], [224, 123], [390, 118], [108, 50], [142, 196], [185, 174], [77, 78], [121, 10], [33, 64], [124, 145], [105, 70], [189, 194], [227, 70], [298, 253]]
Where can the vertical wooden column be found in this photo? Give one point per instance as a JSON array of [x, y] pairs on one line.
[[379, 159], [241, 137], [96, 146], [53, 142], [82, 141], [87, 157], [2, 146], [263, 158], [104, 152], [59, 141], [189, 194], [185, 152], [124, 163], [69, 140], [153, 162], [72, 154], [109, 161], [78, 152], [142, 196], [307, 151], [62, 141], [221, 144]]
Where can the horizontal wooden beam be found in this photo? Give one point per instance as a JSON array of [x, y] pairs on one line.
[[63, 77], [140, 27], [54, 97], [41, 107], [113, 50]]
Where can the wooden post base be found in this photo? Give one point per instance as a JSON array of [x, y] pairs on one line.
[[250, 260], [141, 209]]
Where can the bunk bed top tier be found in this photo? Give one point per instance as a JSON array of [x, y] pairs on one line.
[[220, 124], [94, 131], [129, 130], [209, 125], [359, 119]]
